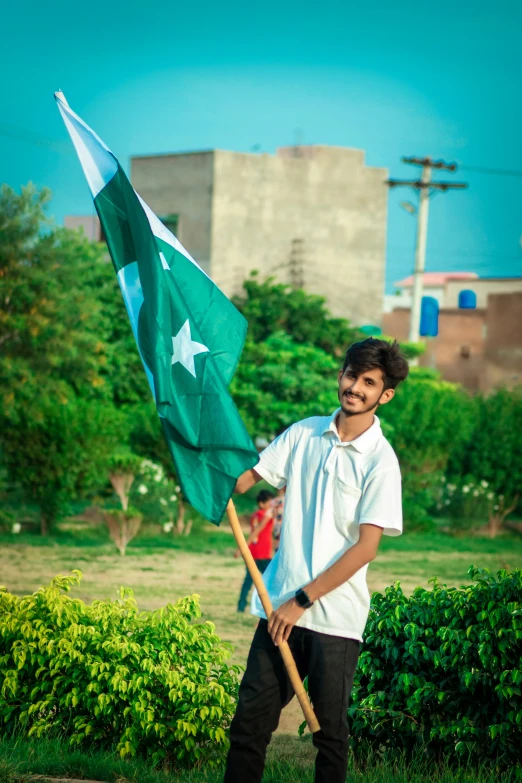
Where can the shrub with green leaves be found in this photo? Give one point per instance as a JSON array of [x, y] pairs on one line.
[[152, 683], [441, 671]]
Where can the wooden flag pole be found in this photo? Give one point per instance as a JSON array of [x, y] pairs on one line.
[[286, 654]]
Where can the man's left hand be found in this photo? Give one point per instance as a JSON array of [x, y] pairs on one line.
[[283, 620]]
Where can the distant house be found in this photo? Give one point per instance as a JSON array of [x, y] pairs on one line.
[[479, 348], [434, 284]]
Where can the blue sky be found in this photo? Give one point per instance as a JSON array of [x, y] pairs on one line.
[[394, 79]]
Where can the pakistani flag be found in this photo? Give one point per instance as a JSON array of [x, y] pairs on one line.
[[189, 335]]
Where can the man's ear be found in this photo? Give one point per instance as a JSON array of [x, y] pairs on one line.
[[386, 396], [339, 376]]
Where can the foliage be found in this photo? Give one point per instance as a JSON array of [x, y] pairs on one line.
[[493, 451], [271, 307], [420, 493], [280, 381], [50, 339], [152, 683], [430, 420], [441, 671], [64, 330], [413, 351], [156, 494], [427, 420], [468, 501], [58, 451]]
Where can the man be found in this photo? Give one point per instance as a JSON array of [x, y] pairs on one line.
[[259, 541], [343, 491]]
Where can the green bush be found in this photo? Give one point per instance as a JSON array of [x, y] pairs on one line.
[[441, 671], [430, 419], [426, 422], [151, 683], [57, 452]]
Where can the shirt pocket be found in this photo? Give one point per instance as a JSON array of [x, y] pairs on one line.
[[345, 501]]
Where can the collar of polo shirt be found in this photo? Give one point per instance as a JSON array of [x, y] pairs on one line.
[[364, 442]]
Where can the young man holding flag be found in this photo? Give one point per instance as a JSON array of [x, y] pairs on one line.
[[342, 477], [343, 491]]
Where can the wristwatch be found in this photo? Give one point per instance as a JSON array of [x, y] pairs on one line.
[[302, 599]]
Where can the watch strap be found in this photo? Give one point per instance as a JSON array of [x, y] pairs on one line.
[[303, 600]]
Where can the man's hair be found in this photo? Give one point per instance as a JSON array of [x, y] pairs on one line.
[[371, 354], [265, 495]]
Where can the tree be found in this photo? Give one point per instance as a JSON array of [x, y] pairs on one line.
[[271, 307], [280, 381], [492, 453], [64, 330], [56, 451], [51, 348], [429, 420]]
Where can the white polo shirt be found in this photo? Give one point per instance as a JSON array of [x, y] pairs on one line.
[[331, 489]]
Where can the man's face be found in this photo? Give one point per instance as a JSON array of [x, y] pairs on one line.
[[362, 393]]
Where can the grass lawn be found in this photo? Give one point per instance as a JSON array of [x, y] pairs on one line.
[[161, 568], [289, 760]]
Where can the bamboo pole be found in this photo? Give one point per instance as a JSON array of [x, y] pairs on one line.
[[286, 654]]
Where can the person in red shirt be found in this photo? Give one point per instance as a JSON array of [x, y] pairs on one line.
[[259, 541]]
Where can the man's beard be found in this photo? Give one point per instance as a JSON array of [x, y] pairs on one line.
[[365, 409]]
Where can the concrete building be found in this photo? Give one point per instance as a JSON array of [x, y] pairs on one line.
[[89, 223], [314, 217]]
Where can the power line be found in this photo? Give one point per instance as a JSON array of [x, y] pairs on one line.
[[20, 134], [485, 170], [458, 254]]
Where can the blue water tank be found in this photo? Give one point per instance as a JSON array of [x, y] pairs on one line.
[[467, 300], [429, 320]]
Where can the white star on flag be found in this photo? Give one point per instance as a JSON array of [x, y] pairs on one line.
[[185, 348]]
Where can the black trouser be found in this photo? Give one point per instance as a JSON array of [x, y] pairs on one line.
[[330, 663], [247, 584]]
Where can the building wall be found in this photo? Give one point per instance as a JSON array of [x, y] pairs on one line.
[[182, 185], [483, 287], [458, 350], [503, 354], [89, 223], [318, 220]]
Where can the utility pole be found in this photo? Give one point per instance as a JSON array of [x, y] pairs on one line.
[[425, 186]]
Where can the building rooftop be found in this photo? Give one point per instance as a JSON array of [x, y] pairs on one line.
[[437, 279]]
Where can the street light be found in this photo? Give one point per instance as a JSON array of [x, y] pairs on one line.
[[408, 207]]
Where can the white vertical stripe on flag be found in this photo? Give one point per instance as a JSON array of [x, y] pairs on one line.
[[97, 161], [99, 166]]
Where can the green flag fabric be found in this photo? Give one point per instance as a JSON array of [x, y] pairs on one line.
[[189, 335]]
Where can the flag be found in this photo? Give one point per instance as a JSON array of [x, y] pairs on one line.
[[189, 335]]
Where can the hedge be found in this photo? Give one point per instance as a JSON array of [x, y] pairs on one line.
[[151, 683], [441, 671]]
